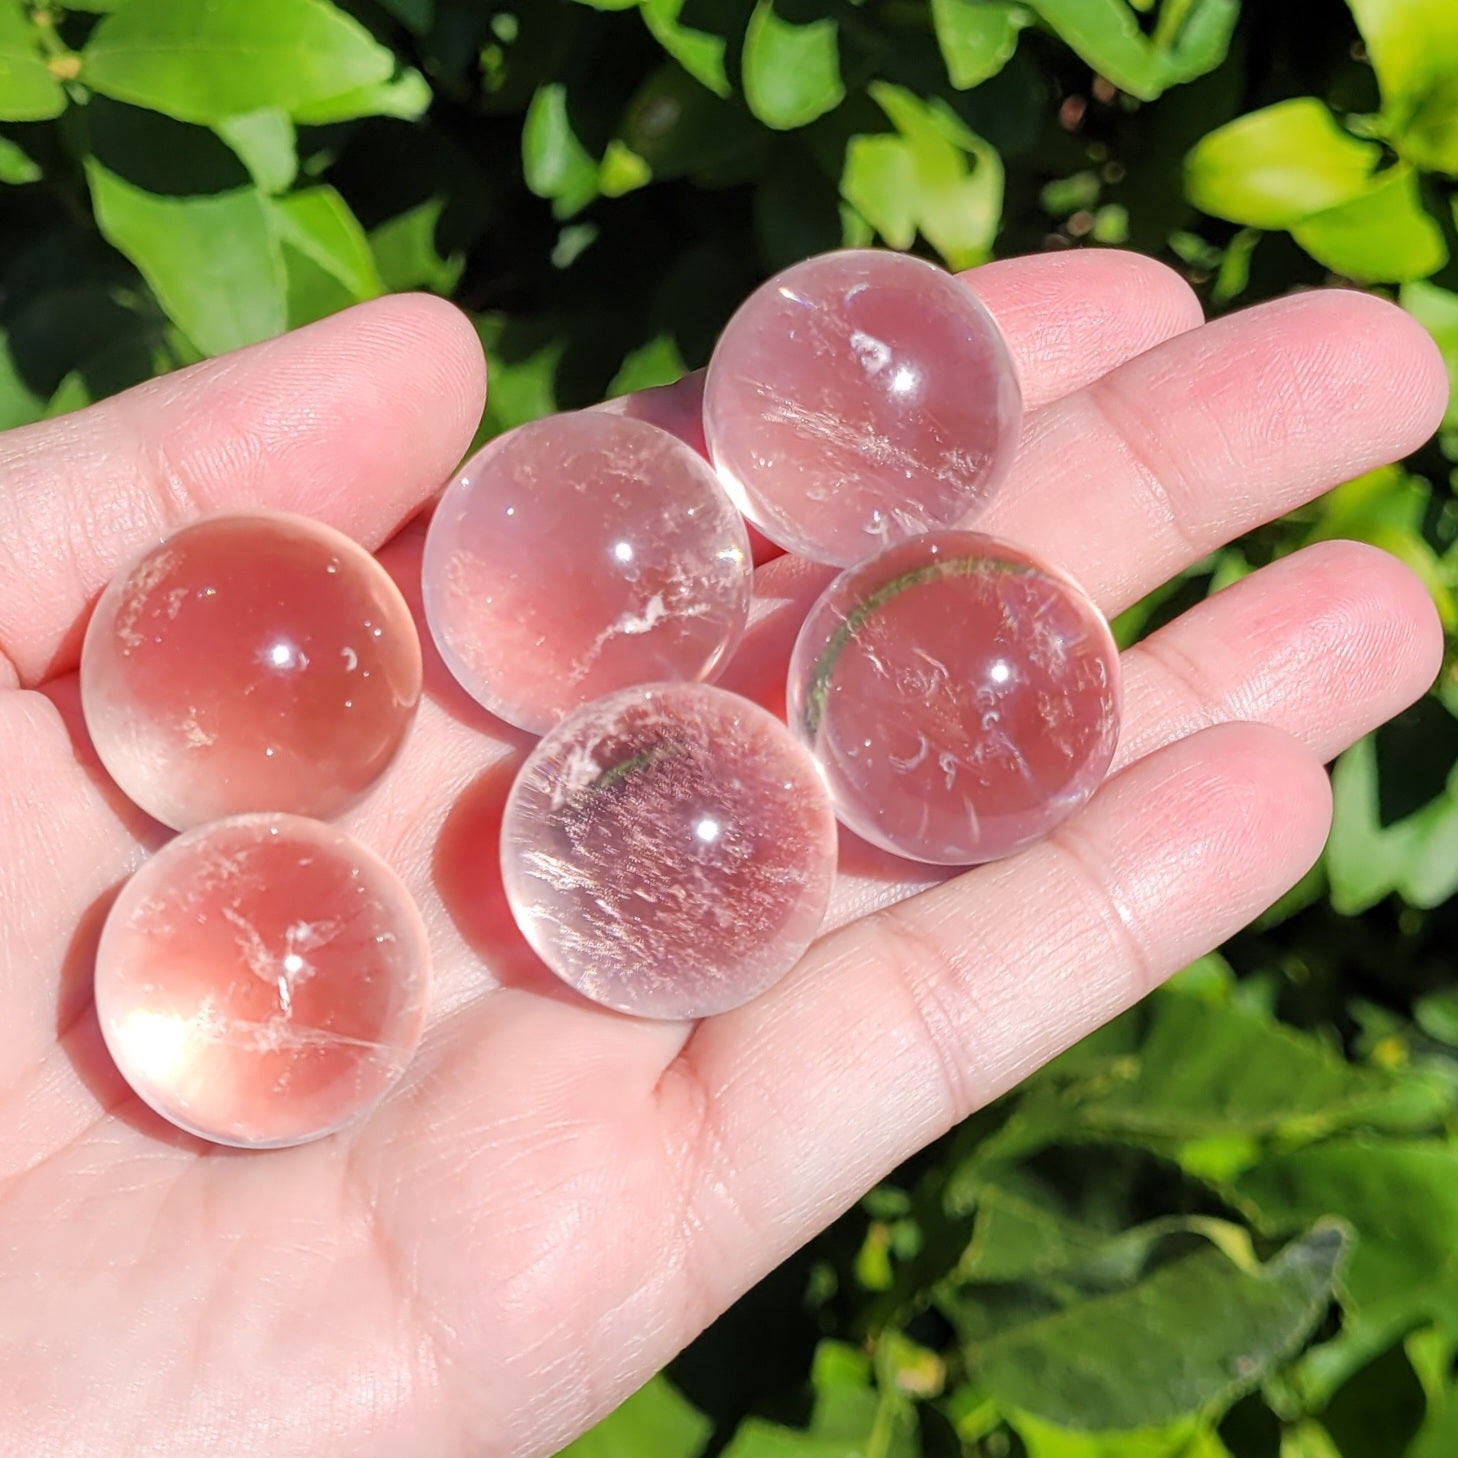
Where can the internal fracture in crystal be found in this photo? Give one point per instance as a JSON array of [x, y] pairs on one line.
[[576, 555], [961, 697], [858, 398], [248, 663], [262, 981], [669, 850]]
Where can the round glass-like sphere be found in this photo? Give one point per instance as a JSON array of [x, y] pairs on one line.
[[248, 663], [857, 399], [577, 555], [262, 981], [669, 850], [961, 697]]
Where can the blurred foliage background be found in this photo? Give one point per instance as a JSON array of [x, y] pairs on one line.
[[1228, 1223]]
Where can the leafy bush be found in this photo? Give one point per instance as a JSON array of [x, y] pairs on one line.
[[1222, 1225]]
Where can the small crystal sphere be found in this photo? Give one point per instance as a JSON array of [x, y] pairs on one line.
[[259, 662], [577, 555], [859, 398], [262, 981], [669, 850], [961, 697]]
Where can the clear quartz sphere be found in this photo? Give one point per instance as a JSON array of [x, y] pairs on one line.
[[669, 850], [262, 981], [961, 697], [577, 555], [858, 398], [248, 663]]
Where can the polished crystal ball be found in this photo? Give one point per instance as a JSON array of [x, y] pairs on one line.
[[258, 662], [961, 697], [857, 399], [669, 850], [262, 981], [577, 555]]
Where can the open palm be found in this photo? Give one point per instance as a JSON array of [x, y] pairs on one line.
[[557, 1198]]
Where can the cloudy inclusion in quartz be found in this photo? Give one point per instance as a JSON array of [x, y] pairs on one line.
[[961, 696], [248, 663], [858, 398], [262, 981], [669, 850], [577, 555]]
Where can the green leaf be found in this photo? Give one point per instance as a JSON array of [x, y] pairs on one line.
[[16, 167], [656, 363], [791, 70], [205, 62], [1384, 236], [1413, 46], [1194, 36], [264, 143], [1437, 311], [524, 359], [555, 162], [1366, 861], [28, 90], [655, 1420], [1401, 1198], [405, 95], [977, 37], [20, 404], [1106, 34], [406, 254], [622, 170], [1206, 1069], [1291, 166], [213, 261], [934, 177], [1279, 166], [699, 40], [71, 394], [857, 1411], [1187, 1439], [1133, 1357], [319, 224]]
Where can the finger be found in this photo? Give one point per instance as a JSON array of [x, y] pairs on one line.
[[1071, 317], [1324, 645], [1155, 464], [355, 420], [898, 1026], [1067, 317]]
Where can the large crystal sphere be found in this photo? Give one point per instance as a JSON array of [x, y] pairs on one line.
[[859, 398], [961, 697], [577, 555], [669, 850], [248, 663], [262, 981]]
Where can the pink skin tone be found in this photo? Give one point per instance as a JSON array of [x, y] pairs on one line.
[[669, 850], [262, 981], [648, 560], [961, 697], [556, 1197], [259, 662], [858, 398]]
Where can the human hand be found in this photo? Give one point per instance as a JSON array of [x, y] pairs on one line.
[[558, 1197]]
